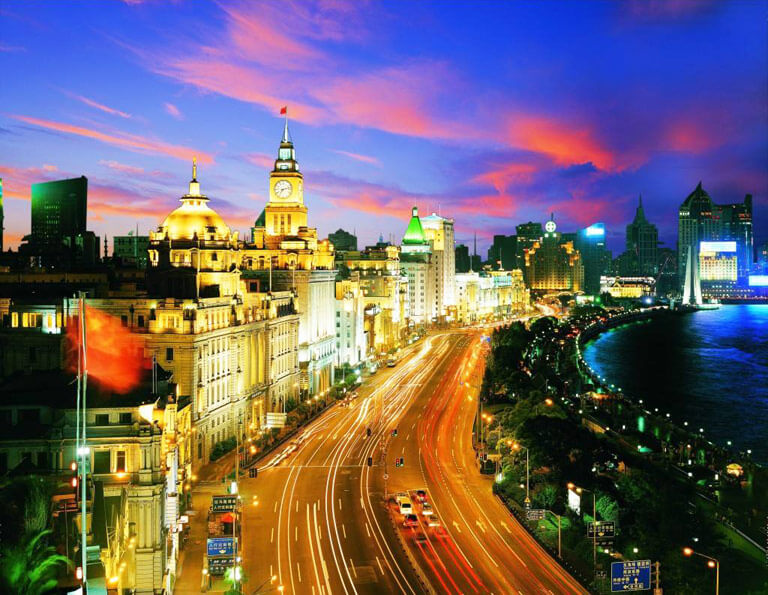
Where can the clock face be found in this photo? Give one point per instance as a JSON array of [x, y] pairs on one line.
[[550, 226], [283, 189]]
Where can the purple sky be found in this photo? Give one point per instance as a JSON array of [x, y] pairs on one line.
[[495, 113]]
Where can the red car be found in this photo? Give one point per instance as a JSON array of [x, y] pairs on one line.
[[421, 495], [411, 520]]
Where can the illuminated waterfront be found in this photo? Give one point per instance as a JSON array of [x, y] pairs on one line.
[[715, 366]]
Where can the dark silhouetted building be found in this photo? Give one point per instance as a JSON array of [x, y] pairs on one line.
[[343, 241], [643, 241], [131, 249], [463, 263], [504, 251]]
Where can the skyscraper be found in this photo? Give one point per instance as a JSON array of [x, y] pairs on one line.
[[439, 231], [416, 261], [590, 242], [503, 252], [553, 265], [643, 241], [701, 220], [59, 211], [462, 258]]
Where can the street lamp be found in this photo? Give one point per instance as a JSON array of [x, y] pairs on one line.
[[579, 490], [711, 562], [517, 446]]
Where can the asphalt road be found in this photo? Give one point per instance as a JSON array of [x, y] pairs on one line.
[[319, 519]]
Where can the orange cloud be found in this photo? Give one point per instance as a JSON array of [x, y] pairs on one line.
[[261, 160], [130, 142], [100, 106], [358, 157], [17, 181], [564, 144]]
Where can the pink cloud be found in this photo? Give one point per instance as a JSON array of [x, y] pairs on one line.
[[502, 176], [689, 137], [564, 144], [17, 181], [261, 160], [173, 111], [358, 157], [122, 167], [100, 106], [123, 140]]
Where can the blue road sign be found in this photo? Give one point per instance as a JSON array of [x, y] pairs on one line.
[[631, 575], [221, 546]]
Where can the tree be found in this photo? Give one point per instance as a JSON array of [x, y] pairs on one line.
[[29, 567]]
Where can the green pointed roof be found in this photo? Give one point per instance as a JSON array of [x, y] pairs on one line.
[[261, 220], [415, 232]]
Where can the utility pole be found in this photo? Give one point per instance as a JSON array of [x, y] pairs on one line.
[[657, 589]]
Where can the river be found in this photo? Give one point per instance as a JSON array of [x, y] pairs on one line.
[[709, 368]]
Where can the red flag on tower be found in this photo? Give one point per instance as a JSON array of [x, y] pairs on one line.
[[284, 110]]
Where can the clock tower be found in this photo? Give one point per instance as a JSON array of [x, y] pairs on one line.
[[285, 212]]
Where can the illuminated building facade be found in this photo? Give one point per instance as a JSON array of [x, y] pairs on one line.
[[439, 232], [284, 254], [416, 261], [231, 345], [552, 265], [385, 294], [590, 242], [127, 490], [628, 287], [351, 347], [701, 220], [490, 295]]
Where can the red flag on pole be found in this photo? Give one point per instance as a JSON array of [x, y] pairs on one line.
[[284, 110]]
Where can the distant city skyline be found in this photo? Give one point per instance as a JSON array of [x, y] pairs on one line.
[[385, 118]]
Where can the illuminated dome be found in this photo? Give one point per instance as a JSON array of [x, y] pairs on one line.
[[194, 219]]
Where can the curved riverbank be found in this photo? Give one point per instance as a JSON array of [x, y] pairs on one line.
[[706, 370]]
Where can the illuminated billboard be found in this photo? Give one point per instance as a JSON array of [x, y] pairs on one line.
[[758, 280], [717, 247]]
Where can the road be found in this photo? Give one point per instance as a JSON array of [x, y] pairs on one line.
[[316, 517], [485, 549]]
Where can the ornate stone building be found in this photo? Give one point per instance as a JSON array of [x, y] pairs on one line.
[[284, 254]]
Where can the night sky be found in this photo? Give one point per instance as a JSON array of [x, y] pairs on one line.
[[494, 113]]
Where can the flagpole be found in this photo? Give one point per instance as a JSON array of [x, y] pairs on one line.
[[83, 450]]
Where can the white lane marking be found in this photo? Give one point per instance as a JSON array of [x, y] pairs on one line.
[[296, 533], [271, 540], [367, 530], [339, 503], [352, 564], [297, 505], [312, 552], [456, 526], [379, 563], [298, 570]]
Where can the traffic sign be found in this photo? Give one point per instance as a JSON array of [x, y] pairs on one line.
[[218, 566], [630, 575], [221, 546], [604, 529], [223, 503], [535, 514]]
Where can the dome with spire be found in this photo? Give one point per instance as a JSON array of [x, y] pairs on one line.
[[194, 219]]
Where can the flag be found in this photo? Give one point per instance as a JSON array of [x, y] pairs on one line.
[[115, 356], [284, 110]]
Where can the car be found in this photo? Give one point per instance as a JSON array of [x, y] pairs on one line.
[[421, 495], [434, 521], [421, 539], [411, 520], [404, 505], [440, 532], [426, 509]]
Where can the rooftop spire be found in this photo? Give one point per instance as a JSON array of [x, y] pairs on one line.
[[286, 134], [194, 168], [194, 185]]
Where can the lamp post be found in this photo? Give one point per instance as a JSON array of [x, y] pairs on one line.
[[578, 490], [517, 446], [711, 562]]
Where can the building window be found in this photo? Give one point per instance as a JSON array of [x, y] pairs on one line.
[[126, 417], [102, 419], [120, 462], [101, 461], [141, 320], [169, 354], [124, 320]]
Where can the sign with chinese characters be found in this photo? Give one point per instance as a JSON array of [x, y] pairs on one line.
[[223, 503], [535, 514], [218, 566], [221, 546], [631, 575], [601, 529]]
